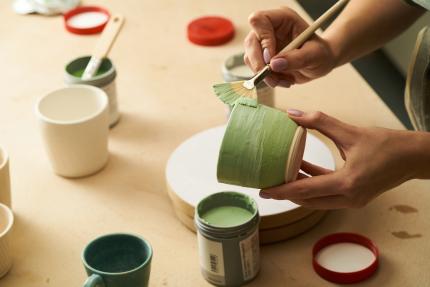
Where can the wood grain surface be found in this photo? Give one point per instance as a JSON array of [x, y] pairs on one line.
[[165, 96]]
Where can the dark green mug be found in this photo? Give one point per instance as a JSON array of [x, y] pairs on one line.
[[117, 260]]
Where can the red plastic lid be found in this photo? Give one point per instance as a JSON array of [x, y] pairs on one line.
[[337, 271], [85, 20], [210, 31]]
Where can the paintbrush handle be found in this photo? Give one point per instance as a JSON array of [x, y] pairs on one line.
[[306, 34], [110, 32], [108, 36]]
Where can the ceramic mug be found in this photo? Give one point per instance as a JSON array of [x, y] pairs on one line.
[[262, 147], [6, 222], [117, 260], [104, 79], [4, 179], [74, 123]]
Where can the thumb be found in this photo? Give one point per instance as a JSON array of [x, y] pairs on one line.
[[265, 32], [340, 132]]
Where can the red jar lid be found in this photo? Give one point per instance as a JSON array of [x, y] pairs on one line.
[[85, 20], [210, 31], [359, 272]]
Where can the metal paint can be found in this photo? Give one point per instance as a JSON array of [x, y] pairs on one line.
[[229, 254], [235, 69], [104, 79]]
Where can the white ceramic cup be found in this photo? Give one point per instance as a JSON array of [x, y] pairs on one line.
[[6, 222], [5, 196], [74, 122]]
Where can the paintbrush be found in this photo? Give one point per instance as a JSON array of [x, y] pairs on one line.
[[110, 32], [231, 91]]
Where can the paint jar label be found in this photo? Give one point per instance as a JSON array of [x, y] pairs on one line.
[[250, 254], [211, 259]]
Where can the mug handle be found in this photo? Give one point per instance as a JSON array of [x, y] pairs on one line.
[[94, 281]]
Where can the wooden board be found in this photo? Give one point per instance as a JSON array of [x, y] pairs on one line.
[[191, 175], [164, 93]]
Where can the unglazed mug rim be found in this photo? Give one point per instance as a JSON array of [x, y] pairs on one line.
[[100, 94]]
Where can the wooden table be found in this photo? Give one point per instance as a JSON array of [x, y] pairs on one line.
[[165, 96]]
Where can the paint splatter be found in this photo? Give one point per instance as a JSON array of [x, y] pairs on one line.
[[403, 208], [405, 235]]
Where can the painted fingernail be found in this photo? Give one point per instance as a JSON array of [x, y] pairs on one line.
[[284, 83], [278, 65], [266, 55], [295, 113], [264, 195]]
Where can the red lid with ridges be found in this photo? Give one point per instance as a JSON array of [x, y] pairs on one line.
[[345, 277], [210, 31]]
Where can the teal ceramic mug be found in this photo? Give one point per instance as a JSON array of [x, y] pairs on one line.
[[117, 260]]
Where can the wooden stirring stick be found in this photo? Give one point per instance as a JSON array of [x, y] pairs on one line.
[[110, 32]]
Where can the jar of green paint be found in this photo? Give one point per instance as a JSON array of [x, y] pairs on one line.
[[235, 69], [104, 79], [227, 230]]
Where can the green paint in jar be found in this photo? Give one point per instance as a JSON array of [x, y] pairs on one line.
[[227, 232], [227, 216]]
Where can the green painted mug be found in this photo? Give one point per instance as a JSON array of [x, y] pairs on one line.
[[117, 260]]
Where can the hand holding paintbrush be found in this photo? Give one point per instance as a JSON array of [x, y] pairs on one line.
[[229, 92]]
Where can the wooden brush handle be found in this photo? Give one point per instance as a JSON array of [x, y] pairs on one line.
[[103, 46], [306, 34], [108, 36]]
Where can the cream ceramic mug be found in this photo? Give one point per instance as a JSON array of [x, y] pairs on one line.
[[4, 179], [6, 222], [74, 122]]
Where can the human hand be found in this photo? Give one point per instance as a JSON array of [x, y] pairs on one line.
[[272, 30], [376, 160]]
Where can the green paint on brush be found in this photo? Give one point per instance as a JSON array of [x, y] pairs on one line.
[[255, 147], [227, 216], [230, 92]]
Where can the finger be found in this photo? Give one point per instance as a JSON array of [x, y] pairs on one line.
[[313, 169], [262, 26], [297, 59], [312, 187], [253, 52], [301, 176], [327, 202], [341, 133], [272, 81]]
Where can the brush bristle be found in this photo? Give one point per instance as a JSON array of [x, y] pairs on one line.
[[228, 93]]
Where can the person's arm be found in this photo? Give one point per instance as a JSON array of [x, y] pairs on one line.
[[365, 25], [376, 160]]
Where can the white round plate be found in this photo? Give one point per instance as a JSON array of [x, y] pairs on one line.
[[191, 170]]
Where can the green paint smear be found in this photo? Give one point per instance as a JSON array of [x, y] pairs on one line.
[[80, 72], [255, 146], [227, 216]]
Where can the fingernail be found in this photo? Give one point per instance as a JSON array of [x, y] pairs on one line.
[[284, 83], [266, 55], [295, 113], [270, 82], [278, 64], [264, 195]]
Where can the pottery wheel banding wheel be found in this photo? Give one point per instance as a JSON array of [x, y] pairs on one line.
[[191, 175]]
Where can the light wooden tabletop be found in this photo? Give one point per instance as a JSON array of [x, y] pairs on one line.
[[164, 87]]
